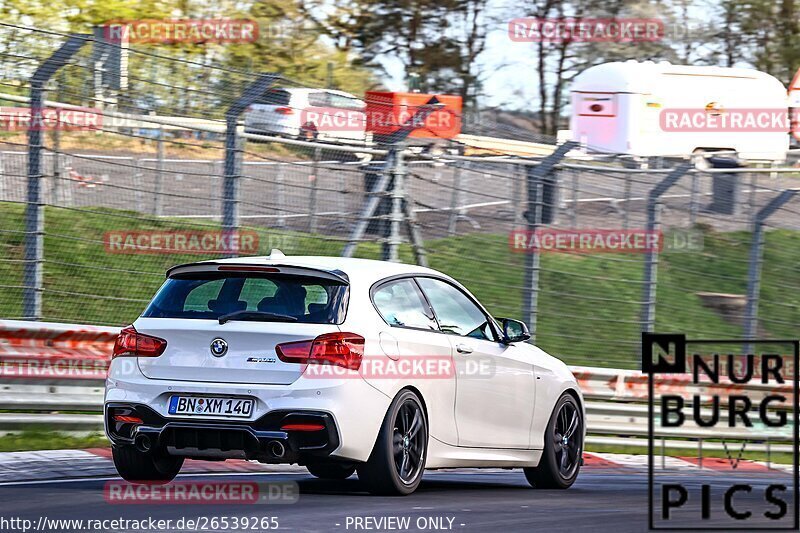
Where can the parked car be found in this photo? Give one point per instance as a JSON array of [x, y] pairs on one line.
[[308, 114], [341, 365]]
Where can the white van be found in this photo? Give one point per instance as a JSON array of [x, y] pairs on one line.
[[659, 109]]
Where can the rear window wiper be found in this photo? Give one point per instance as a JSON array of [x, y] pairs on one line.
[[256, 315]]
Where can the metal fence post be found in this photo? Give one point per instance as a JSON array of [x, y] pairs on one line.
[[54, 190], [574, 207], [517, 202], [233, 147], [751, 203], [312, 200], [455, 199], [398, 197], [417, 245], [159, 184], [693, 203], [754, 268], [627, 207], [137, 181], [34, 209], [68, 182], [3, 180], [648, 314], [532, 261], [280, 196], [530, 300], [341, 201]]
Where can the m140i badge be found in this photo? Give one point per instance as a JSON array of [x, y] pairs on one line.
[[261, 360]]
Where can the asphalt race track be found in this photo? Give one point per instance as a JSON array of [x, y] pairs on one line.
[[472, 500]]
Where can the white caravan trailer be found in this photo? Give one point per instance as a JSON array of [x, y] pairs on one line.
[[659, 109]]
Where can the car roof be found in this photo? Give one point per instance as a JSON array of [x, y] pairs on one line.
[[358, 270]]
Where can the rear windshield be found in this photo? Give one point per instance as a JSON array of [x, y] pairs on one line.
[[274, 97], [209, 295]]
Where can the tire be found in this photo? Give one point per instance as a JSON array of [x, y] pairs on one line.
[[397, 461], [552, 473], [331, 470], [137, 467]]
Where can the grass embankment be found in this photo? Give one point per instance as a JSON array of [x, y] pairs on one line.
[[48, 440], [588, 305]]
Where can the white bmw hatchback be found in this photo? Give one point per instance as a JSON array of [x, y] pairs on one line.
[[341, 365]]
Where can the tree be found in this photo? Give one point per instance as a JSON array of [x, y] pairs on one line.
[[441, 41], [558, 62], [771, 33]]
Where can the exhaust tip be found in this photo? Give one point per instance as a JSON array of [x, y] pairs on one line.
[[276, 449], [142, 443]]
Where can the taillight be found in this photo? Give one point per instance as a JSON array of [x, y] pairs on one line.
[[341, 349], [284, 110], [131, 343]]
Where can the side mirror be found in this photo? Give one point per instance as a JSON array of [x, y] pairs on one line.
[[515, 330]]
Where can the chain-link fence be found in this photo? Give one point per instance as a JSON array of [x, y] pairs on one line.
[[92, 216]]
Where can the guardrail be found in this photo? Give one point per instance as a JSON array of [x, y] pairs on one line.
[[474, 144], [52, 375]]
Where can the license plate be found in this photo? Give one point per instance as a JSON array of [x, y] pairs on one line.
[[210, 406]]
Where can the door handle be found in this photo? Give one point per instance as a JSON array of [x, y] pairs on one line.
[[463, 348]]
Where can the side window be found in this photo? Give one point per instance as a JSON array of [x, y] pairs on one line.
[[401, 304], [346, 102], [318, 99], [457, 314]]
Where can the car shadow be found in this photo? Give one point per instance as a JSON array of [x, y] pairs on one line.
[[353, 486]]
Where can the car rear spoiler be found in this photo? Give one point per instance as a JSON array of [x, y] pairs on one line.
[[217, 266]]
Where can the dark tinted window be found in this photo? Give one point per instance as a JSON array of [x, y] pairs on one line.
[[274, 97], [456, 312], [346, 102], [209, 295], [401, 304], [319, 99]]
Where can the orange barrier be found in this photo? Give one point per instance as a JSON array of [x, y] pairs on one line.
[[53, 350]]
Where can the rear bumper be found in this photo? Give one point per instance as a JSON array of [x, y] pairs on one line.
[[264, 439], [354, 407]]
